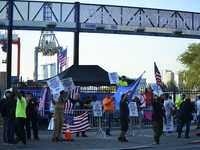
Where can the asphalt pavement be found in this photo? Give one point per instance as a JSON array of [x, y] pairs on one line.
[[95, 141]]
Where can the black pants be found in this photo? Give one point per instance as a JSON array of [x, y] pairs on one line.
[[19, 129], [31, 118]]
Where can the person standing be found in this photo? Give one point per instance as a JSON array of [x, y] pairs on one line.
[[157, 117], [178, 112], [198, 112], [31, 113], [122, 82], [186, 108], [108, 111], [124, 115], [9, 107], [58, 117], [168, 104], [3, 115], [97, 110], [20, 120]]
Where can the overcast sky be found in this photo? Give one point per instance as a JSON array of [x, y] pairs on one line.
[[128, 55]]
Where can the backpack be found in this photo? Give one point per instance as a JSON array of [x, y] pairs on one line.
[[12, 112]]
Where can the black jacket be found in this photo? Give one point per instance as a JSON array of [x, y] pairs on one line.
[[187, 108], [2, 102], [6, 107]]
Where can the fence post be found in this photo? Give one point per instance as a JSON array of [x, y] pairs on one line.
[[174, 95]]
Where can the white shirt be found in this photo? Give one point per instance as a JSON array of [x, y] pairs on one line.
[[198, 107], [168, 104]]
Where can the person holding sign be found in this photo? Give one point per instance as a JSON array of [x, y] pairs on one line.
[[124, 115], [108, 112], [58, 117], [157, 117]]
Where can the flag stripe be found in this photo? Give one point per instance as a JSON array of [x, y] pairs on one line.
[[62, 59], [157, 75], [81, 123]]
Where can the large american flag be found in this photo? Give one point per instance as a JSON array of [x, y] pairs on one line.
[[79, 123], [157, 75], [62, 59]]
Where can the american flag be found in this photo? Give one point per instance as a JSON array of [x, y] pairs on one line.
[[62, 58], [80, 123], [157, 75]]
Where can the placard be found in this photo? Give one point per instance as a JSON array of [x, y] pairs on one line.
[[68, 84], [156, 89], [133, 109], [55, 85], [169, 126], [113, 77]]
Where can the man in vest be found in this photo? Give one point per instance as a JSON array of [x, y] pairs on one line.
[[178, 112], [20, 120]]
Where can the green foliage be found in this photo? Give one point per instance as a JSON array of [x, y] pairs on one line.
[[191, 61]]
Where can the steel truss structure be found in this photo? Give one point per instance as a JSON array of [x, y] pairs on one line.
[[94, 18]]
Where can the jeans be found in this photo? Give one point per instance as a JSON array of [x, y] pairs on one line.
[[108, 116], [187, 128], [178, 117], [10, 130], [19, 129]]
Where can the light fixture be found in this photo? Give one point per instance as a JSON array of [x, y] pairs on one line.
[[99, 27], [51, 25], [178, 32], [2, 24], [139, 29]]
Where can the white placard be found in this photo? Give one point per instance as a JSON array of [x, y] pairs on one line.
[[97, 110], [169, 126], [133, 109], [113, 77], [55, 85], [156, 89], [68, 84]]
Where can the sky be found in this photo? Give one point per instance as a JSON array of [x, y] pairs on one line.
[[129, 55]]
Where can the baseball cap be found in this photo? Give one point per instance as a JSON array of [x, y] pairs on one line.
[[183, 94]]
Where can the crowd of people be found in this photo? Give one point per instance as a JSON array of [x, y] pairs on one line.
[[20, 112]]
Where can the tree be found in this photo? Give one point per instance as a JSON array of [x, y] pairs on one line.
[[190, 59]]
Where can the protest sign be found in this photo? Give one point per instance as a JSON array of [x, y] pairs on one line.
[[113, 77], [169, 126], [156, 89], [133, 109], [68, 84], [55, 85]]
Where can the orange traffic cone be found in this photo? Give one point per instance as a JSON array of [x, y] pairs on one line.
[[68, 136]]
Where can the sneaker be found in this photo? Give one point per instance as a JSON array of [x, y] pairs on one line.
[[84, 135], [120, 139], [124, 139], [179, 136], [22, 145], [5, 142], [154, 143], [187, 136]]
